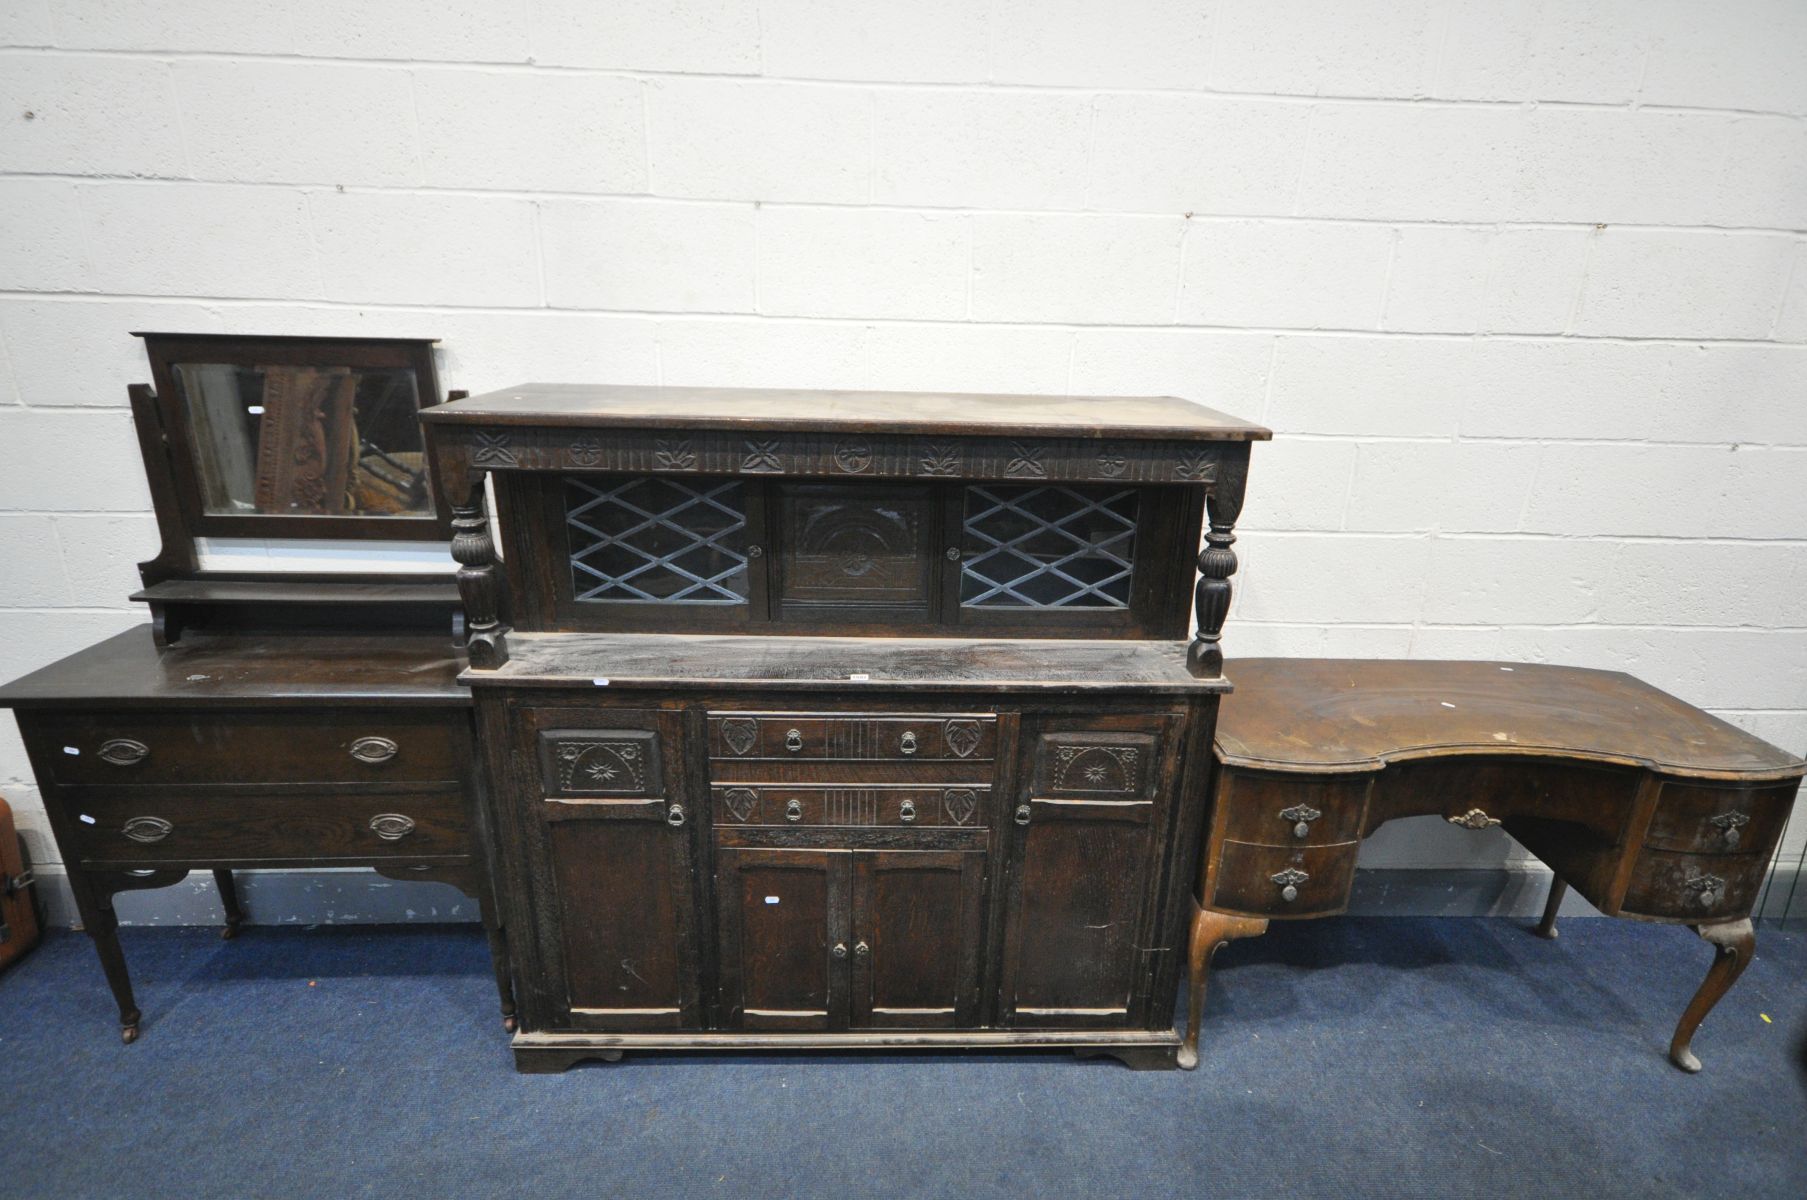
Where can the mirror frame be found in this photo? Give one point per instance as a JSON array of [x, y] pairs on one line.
[[167, 350]]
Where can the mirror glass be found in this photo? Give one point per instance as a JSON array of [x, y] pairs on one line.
[[282, 440]]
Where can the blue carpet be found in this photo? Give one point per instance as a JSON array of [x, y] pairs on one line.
[[1350, 1057]]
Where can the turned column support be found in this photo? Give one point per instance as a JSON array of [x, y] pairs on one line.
[[1216, 563], [479, 582]]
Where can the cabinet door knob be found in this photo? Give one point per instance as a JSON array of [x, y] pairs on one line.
[[861, 950], [373, 750], [908, 812], [840, 950], [908, 742], [793, 811], [124, 752], [1022, 814], [391, 827], [674, 816], [793, 740]]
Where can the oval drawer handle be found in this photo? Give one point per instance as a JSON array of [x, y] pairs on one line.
[[373, 750], [908, 742], [1706, 889], [124, 752], [793, 740], [1289, 881], [674, 816], [1022, 814], [1728, 825], [793, 811], [1302, 815], [907, 813], [391, 827], [147, 829]]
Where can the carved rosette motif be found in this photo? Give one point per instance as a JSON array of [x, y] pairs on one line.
[[585, 452], [761, 457], [491, 448], [601, 766], [1111, 462], [1196, 467], [939, 458], [1026, 461], [853, 457], [674, 454], [1098, 769]]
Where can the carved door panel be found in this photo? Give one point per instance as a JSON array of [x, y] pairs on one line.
[[855, 553], [1083, 865], [784, 937], [618, 841], [917, 917]]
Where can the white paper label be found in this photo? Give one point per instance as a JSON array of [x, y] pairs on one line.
[[859, 678], [771, 899], [600, 682], [72, 750], [88, 820]]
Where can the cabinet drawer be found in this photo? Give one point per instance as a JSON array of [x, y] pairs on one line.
[[1257, 879], [886, 737], [129, 825], [1694, 887], [1292, 810], [1719, 820], [251, 747], [749, 804]]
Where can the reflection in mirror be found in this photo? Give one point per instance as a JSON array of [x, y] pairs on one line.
[[286, 440]]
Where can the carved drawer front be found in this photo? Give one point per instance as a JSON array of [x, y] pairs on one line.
[[1280, 881], [1719, 820], [924, 737], [600, 762], [955, 806], [343, 746], [1097, 766], [1694, 887], [128, 826], [1292, 810]]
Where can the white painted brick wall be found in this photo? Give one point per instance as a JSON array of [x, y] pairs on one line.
[[1522, 286]]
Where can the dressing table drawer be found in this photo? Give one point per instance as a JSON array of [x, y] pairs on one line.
[[1303, 810], [1283, 881], [1711, 819], [1694, 887], [141, 825], [260, 747], [883, 737]]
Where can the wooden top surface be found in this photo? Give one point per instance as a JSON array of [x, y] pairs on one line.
[[128, 671], [978, 415], [1313, 714], [636, 660]]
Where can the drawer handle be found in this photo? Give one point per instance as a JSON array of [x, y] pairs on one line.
[[861, 950], [908, 742], [908, 812], [147, 829], [373, 750], [124, 752], [793, 811], [1474, 818], [1728, 825], [1303, 815], [674, 816], [1707, 889], [391, 827], [840, 950], [793, 740], [1289, 881], [1022, 814]]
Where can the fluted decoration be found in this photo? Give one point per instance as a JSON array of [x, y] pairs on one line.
[[474, 550]]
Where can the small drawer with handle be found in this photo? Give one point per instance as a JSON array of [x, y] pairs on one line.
[[249, 747], [129, 826], [1713, 819], [1302, 810], [1694, 887], [886, 737], [964, 805], [1282, 881]]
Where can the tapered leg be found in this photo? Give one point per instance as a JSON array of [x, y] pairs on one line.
[[1546, 928], [235, 915], [1733, 943], [1211, 931], [102, 925], [498, 955]]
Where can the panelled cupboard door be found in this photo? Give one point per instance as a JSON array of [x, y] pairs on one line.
[[785, 920], [849, 939], [916, 921], [620, 858], [1083, 861]]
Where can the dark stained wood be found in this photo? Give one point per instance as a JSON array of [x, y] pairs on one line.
[[1298, 714], [659, 662], [784, 937], [1646, 806], [917, 922], [19, 929]]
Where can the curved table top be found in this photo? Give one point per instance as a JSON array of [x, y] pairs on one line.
[[1324, 715]]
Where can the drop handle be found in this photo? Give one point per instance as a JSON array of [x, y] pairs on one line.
[[674, 816], [907, 813], [1728, 825], [1289, 881], [840, 950], [908, 742], [1022, 814], [1302, 815], [793, 740], [861, 950], [793, 811]]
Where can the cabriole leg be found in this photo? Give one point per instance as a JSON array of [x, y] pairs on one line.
[[1211, 932], [1546, 928], [1733, 944]]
